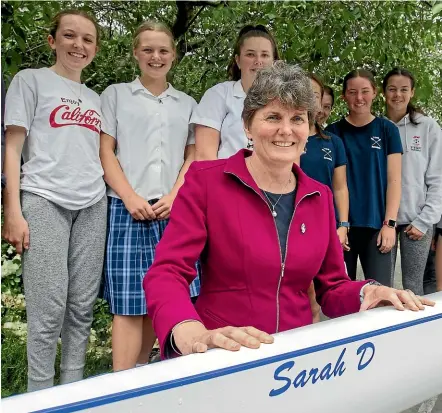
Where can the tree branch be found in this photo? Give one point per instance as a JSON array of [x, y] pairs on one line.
[[209, 3], [196, 15]]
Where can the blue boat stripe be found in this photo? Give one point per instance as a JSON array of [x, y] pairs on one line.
[[184, 381]]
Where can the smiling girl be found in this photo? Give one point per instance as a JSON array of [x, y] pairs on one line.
[[421, 200], [325, 160], [373, 147], [219, 130], [146, 148], [55, 215]]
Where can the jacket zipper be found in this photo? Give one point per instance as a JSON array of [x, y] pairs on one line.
[[285, 257], [281, 274]]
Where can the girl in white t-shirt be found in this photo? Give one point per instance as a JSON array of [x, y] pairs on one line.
[[219, 130], [146, 148], [55, 215]]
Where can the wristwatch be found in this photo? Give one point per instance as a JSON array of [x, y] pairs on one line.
[[344, 224], [390, 223], [361, 292]]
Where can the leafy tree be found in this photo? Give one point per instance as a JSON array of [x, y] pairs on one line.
[[327, 37]]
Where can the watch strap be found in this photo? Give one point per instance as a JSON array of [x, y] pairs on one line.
[[344, 224], [361, 292], [391, 223]]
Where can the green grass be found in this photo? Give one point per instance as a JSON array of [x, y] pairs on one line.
[[14, 365]]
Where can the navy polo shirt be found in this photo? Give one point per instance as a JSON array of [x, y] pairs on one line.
[[322, 157], [367, 148]]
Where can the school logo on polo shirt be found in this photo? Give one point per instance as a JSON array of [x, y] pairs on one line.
[[376, 142], [327, 154], [416, 144]]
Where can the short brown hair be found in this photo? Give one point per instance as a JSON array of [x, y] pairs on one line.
[[282, 82], [55, 23], [247, 32], [154, 26]]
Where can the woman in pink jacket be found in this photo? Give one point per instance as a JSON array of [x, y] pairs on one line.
[[264, 231]]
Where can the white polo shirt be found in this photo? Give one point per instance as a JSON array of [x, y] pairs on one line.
[[151, 133], [221, 108], [62, 118]]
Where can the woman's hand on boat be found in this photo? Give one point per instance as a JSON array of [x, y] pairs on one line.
[[193, 337], [380, 296]]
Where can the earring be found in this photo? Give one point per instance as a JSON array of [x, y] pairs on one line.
[[249, 143]]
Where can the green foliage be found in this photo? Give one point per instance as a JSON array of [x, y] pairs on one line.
[[327, 37], [14, 364]]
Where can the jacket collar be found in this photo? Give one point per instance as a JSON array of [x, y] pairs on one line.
[[236, 165], [136, 86]]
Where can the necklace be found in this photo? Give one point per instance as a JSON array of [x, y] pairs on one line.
[[72, 89], [273, 205]]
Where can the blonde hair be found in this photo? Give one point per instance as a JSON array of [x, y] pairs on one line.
[[153, 26]]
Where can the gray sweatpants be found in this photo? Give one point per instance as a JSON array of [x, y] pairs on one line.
[[61, 272], [414, 256]]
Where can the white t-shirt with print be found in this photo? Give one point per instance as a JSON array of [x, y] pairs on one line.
[[61, 151], [151, 133], [221, 108]]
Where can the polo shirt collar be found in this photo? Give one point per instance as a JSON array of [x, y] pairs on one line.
[[238, 90], [136, 86]]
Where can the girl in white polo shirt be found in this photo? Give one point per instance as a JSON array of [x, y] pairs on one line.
[[146, 148], [59, 223], [219, 130]]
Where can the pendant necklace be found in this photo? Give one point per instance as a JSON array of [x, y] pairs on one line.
[[273, 206], [72, 89]]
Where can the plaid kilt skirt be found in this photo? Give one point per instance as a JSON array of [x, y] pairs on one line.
[[130, 251]]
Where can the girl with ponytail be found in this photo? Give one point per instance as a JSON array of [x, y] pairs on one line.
[[421, 199], [219, 130]]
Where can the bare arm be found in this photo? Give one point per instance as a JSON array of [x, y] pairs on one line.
[[387, 236], [189, 157], [206, 143], [394, 171], [114, 176], [15, 138], [15, 228], [340, 192], [163, 207]]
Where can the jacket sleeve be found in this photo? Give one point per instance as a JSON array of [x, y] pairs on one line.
[[335, 292], [3, 130], [432, 209], [166, 284]]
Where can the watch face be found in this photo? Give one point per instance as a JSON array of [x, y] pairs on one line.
[[391, 223]]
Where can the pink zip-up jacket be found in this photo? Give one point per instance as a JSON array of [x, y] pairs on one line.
[[221, 216]]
